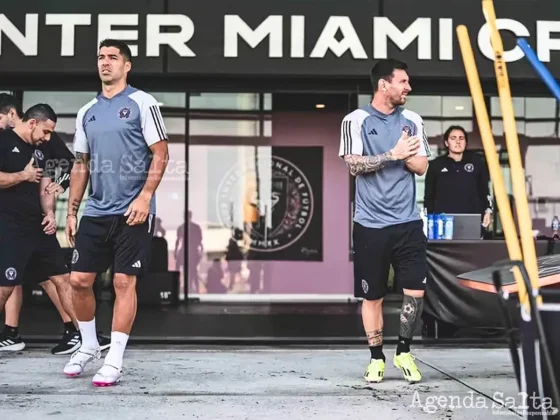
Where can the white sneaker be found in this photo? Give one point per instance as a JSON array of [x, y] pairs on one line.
[[79, 360], [107, 376]]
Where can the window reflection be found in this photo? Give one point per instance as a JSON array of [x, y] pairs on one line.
[[540, 107], [61, 102], [227, 189], [170, 99], [457, 106], [230, 101], [518, 107], [543, 189], [541, 129], [425, 106], [498, 127], [435, 129], [220, 127]]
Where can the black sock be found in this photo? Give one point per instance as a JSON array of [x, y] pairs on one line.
[[69, 327], [11, 331], [377, 352], [404, 345]]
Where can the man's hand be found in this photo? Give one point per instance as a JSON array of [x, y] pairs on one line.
[[32, 174], [406, 147], [54, 188], [138, 210], [49, 223], [487, 219], [71, 229]]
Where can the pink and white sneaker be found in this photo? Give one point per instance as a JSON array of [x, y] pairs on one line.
[[79, 360], [107, 376]]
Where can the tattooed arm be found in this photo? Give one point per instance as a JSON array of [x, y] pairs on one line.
[[78, 182], [363, 164]]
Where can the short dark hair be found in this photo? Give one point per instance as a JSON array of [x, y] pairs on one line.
[[450, 129], [40, 112], [8, 102], [122, 46], [384, 69]]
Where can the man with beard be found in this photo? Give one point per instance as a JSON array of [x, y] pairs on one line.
[[385, 147], [27, 220], [60, 156], [120, 124]]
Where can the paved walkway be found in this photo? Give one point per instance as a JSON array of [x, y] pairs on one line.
[[262, 383]]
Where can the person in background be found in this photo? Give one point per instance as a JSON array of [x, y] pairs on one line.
[[458, 182], [62, 158]]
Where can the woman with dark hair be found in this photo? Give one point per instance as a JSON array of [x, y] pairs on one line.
[[458, 182]]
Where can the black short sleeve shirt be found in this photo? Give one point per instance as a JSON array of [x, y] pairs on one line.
[[21, 203]]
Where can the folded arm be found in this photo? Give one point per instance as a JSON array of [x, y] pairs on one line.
[[359, 165], [8, 180], [417, 164]]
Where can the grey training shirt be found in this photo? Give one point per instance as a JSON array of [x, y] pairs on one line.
[[386, 197], [117, 134]]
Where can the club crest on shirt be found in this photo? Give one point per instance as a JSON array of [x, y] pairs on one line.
[[39, 155], [11, 274], [469, 167], [124, 113], [75, 256], [407, 130]]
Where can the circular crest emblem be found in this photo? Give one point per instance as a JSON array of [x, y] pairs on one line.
[[407, 130], [124, 113], [75, 256], [365, 286], [11, 274], [38, 154], [279, 217], [469, 167]]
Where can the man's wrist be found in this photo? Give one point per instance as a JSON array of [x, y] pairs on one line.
[[70, 215], [146, 195]]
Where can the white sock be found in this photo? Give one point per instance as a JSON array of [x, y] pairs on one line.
[[89, 335], [116, 352]]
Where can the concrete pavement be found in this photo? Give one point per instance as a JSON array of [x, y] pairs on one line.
[[259, 383]]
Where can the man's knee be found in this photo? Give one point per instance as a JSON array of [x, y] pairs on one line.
[[81, 281], [62, 279], [414, 293], [373, 303], [5, 292], [123, 282]]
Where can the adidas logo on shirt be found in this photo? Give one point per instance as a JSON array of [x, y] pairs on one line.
[[444, 170], [15, 150], [137, 264]]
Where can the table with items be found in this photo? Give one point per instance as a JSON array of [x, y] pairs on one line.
[[450, 305]]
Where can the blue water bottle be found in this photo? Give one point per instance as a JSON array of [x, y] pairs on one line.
[[431, 226], [448, 227], [555, 227], [440, 223]]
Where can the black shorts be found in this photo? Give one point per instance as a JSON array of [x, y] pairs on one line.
[[28, 255], [108, 241], [403, 246]]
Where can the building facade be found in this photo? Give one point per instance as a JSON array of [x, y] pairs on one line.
[[255, 200]]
